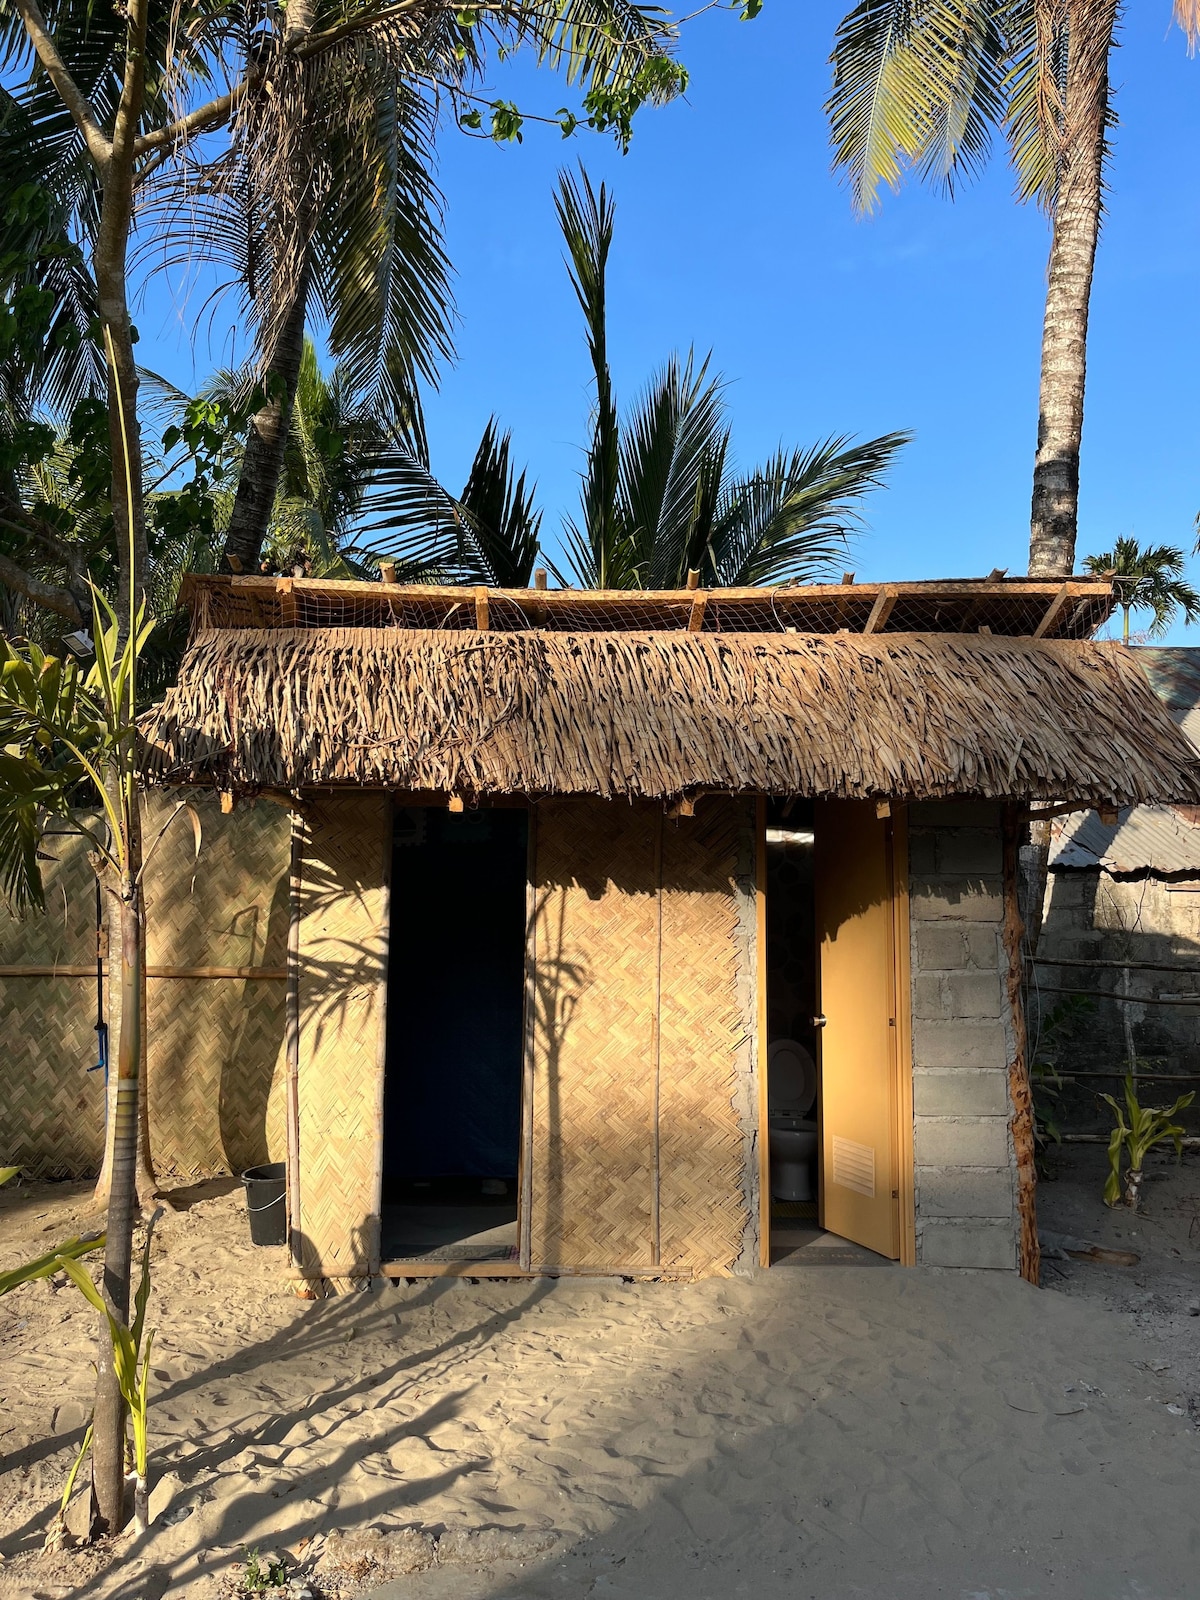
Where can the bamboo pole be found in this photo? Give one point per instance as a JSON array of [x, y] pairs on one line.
[[292, 1042], [1019, 1087]]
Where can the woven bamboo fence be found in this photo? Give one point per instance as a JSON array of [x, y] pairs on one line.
[[214, 1065], [636, 1153]]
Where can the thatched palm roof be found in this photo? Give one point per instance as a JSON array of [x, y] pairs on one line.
[[661, 714]]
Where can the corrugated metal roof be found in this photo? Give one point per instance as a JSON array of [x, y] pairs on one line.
[[1163, 840], [1175, 678], [1157, 839]]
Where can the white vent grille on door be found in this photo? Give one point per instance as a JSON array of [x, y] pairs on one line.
[[854, 1166]]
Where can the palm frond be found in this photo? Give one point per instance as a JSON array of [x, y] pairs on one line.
[[586, 217], [381, 270], [1036, 91], [789, 521], [21, 883], [595, 42], [969, 48], [38, 250], [499, 519], [673, 448], [486, 535], [1187, 15], [918, 84]]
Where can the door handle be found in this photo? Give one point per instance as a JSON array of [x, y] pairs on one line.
[[818, 1022]]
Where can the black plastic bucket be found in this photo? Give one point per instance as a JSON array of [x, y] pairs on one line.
[[266, 1188]]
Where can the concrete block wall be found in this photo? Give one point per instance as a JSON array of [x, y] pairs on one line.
[[965, 1171]]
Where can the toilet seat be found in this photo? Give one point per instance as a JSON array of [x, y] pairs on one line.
[[791, 1078]]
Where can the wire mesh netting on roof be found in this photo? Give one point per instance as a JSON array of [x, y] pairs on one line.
[[1071, 610]]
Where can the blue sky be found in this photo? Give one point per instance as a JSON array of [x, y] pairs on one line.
[[732, 234]]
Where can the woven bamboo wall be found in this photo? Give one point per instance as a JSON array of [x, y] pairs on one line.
[[51, 1107], [702, 1024], [216, 1044], [214, 1067], [636, 1156], [343, 967]]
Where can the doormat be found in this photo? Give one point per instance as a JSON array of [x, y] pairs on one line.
[[794, 1208], [464, 1252]]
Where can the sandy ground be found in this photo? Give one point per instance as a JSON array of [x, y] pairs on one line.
[[814, 1432]]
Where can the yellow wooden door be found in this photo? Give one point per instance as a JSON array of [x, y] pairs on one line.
[[859, 1114]]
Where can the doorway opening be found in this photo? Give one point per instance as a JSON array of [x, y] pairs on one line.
[[455, 1029], [798, 1236]]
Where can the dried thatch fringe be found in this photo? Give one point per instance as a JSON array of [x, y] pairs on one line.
[[921, 716]]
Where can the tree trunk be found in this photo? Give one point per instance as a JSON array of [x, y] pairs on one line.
[[265, 442], [109, 263], [146, 1182], [1055, 509], [108, 1441], [300, 17]]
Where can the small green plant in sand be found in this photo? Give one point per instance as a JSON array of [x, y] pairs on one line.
[[263, 1573], [1146, 1127]]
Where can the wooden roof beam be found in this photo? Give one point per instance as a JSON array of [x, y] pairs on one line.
[[1079, 587], [1053, 611], [885, 600]]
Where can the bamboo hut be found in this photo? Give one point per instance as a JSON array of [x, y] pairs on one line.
[[568, 871]]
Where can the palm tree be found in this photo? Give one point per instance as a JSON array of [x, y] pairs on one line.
[[349, 471], [292, 142], [117, 97], [324, 202], [920, 85], [660, 496], [1149, 579], [346, 468]]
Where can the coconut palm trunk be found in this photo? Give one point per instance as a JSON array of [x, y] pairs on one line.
[[1077, 211], [110, 264], [145, 1180], [1054, 514], [108, 1445], [265, 442]]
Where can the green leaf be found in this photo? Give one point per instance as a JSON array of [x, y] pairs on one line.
[[53, 1261], [507, 123], [75, 1466], [1112, 1189]]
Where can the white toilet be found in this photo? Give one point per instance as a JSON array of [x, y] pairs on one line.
[[791, 1093]]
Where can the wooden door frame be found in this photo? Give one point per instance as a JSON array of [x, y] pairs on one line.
[[528, 1052], [760, 983], [900, 979], [900, 1001], [375, 1241]]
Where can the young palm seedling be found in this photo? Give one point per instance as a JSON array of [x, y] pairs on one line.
[[1147, 1127], [131, 1362]]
